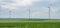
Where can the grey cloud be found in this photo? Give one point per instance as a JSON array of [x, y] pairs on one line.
[[8, 1]]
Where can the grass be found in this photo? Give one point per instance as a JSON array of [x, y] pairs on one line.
[[29, 23]]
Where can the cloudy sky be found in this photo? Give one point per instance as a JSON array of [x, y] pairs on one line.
[[39, 8]]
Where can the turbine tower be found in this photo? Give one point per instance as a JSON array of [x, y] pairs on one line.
[[50, 4], [0, 10], [49, 13], [29, 13], [49, 10], [9, 13]]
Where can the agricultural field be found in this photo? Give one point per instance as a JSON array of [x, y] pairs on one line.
[[42, 23]]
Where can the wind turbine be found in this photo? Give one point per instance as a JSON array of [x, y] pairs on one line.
[[29, 13], [49, 13], [50, 4], [10, 13], [0, 10]]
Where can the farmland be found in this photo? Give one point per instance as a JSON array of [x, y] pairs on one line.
[[20, 23]]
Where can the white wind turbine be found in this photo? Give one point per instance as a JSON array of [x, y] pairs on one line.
[[10, 9], [0, 10], [29, 13], [50, 4]]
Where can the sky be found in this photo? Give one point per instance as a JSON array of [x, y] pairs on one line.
[[38, 8]]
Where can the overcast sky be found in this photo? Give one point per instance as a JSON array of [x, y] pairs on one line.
[[39, 8]]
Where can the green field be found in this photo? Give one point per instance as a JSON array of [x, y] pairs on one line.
[[13, 23]]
